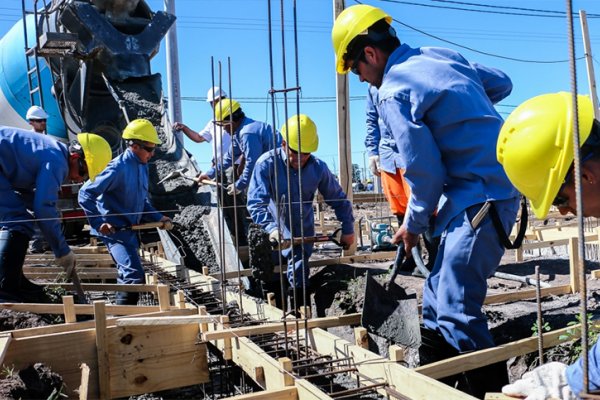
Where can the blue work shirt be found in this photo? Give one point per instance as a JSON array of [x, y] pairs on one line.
[[264, 191], [575, 372], [119, 195], [379, 141], [439, 109], [252, 139], [35, 166]]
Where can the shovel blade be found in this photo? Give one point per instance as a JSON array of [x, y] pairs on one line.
[[390, 312]]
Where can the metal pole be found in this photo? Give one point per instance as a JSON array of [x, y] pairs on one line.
[[589, 62], [173, 83]]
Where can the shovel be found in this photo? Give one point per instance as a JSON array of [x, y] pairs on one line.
[[335, 237], [178, 173], [389, 311]]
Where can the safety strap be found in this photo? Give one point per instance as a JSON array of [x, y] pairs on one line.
[[504, 239]]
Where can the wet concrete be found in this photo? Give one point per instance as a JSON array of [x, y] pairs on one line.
[[178, 198], [261, 253]]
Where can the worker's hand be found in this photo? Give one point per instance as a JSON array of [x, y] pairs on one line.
[[178, 126], [106, 229], [275, 238], [347, 240], [167, 223], [67, 262], [202, 177], [232, 190], [374, 165], [548, 381], [410, 240]]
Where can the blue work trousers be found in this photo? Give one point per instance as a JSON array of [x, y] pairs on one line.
[[454, 293], [124, 251], [13, 207], [297, 274]]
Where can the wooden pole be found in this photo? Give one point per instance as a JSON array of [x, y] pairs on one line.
[[589, 62]]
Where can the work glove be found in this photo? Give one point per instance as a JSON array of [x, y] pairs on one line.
[[347, 240], [374, 165], [67, 262], [544, 382], [167, 223], [275, 237], [232, 190]]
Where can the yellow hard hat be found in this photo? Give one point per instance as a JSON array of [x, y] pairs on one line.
[[309, 140], [535, 145], [349, 24], [141, 129], [225, 108], [97, 153]]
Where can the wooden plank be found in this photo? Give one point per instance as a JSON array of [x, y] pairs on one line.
[[80, 309], [107, 287], [404, 380], [147, 359], [289, 393], [85, 382], [467, 362], [5, 339], [156, 321], [526, 294], [102, 350], [325, 322], [69, 309], [60, 328], [384, 255], [308, 391], [574, 266]]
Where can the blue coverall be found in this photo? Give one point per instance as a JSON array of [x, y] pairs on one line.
[[32, 168], [119, 196], [379, 141], [439, 109], [252, 139], [264, 192], [575, 372]]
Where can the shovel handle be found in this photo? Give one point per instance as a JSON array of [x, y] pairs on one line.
[[335, 237], [209, 182], [400, 255], [139, 227]]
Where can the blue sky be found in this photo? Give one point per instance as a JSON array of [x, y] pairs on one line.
[[236, 32]]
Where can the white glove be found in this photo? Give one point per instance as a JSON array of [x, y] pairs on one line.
[[67, 262], [275, 237], [232, 190], [374, 165], [544, 382]]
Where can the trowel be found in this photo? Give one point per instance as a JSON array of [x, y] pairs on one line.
[[180, 173], [389, 310]]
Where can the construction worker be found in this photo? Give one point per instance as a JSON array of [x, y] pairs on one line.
[[118, 199], [32, 168], [307, 174], [37, 118], [384, 162], [535, 147], [439, 110], [250, 139], [211, 131]]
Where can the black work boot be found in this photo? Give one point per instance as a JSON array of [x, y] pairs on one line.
[[488, 379], [13, 246], [434, 347], [127, 298]]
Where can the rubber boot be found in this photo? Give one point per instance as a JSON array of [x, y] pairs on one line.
[[14, 286], [488, 379], [127, 298], [435, 348]]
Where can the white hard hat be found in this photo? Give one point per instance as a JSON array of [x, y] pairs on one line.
[[215, 93], [36, 112]]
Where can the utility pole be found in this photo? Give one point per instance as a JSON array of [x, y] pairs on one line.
[[343, 125], [343, 121], [173, 83], [589, 62]]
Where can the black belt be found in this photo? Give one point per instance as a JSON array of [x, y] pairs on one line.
[[490, 207]]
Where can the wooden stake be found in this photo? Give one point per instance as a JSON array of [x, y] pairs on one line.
[[361, 337], [102, 349], [574, 265], [69, 309], [180, 299], [164, 300], [286, 366], [396, 353], [85, 381], [227, 354], [203, 325]]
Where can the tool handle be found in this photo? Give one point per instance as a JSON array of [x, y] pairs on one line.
[[209, 182], [419, 261], [400, 255], [335, 237]]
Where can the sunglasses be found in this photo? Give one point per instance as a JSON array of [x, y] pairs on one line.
[[563, 201], [359, 57], [149, 149]]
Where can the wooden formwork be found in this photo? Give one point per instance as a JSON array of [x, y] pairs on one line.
[[138, 349]]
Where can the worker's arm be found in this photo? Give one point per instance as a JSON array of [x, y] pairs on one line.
[[575, 372], [90, 191], [252, 146], [421, 159], [259, 197], [373, 134], [227, 159], [496, 83], [48, 182], [335, 197], [203, 136]]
